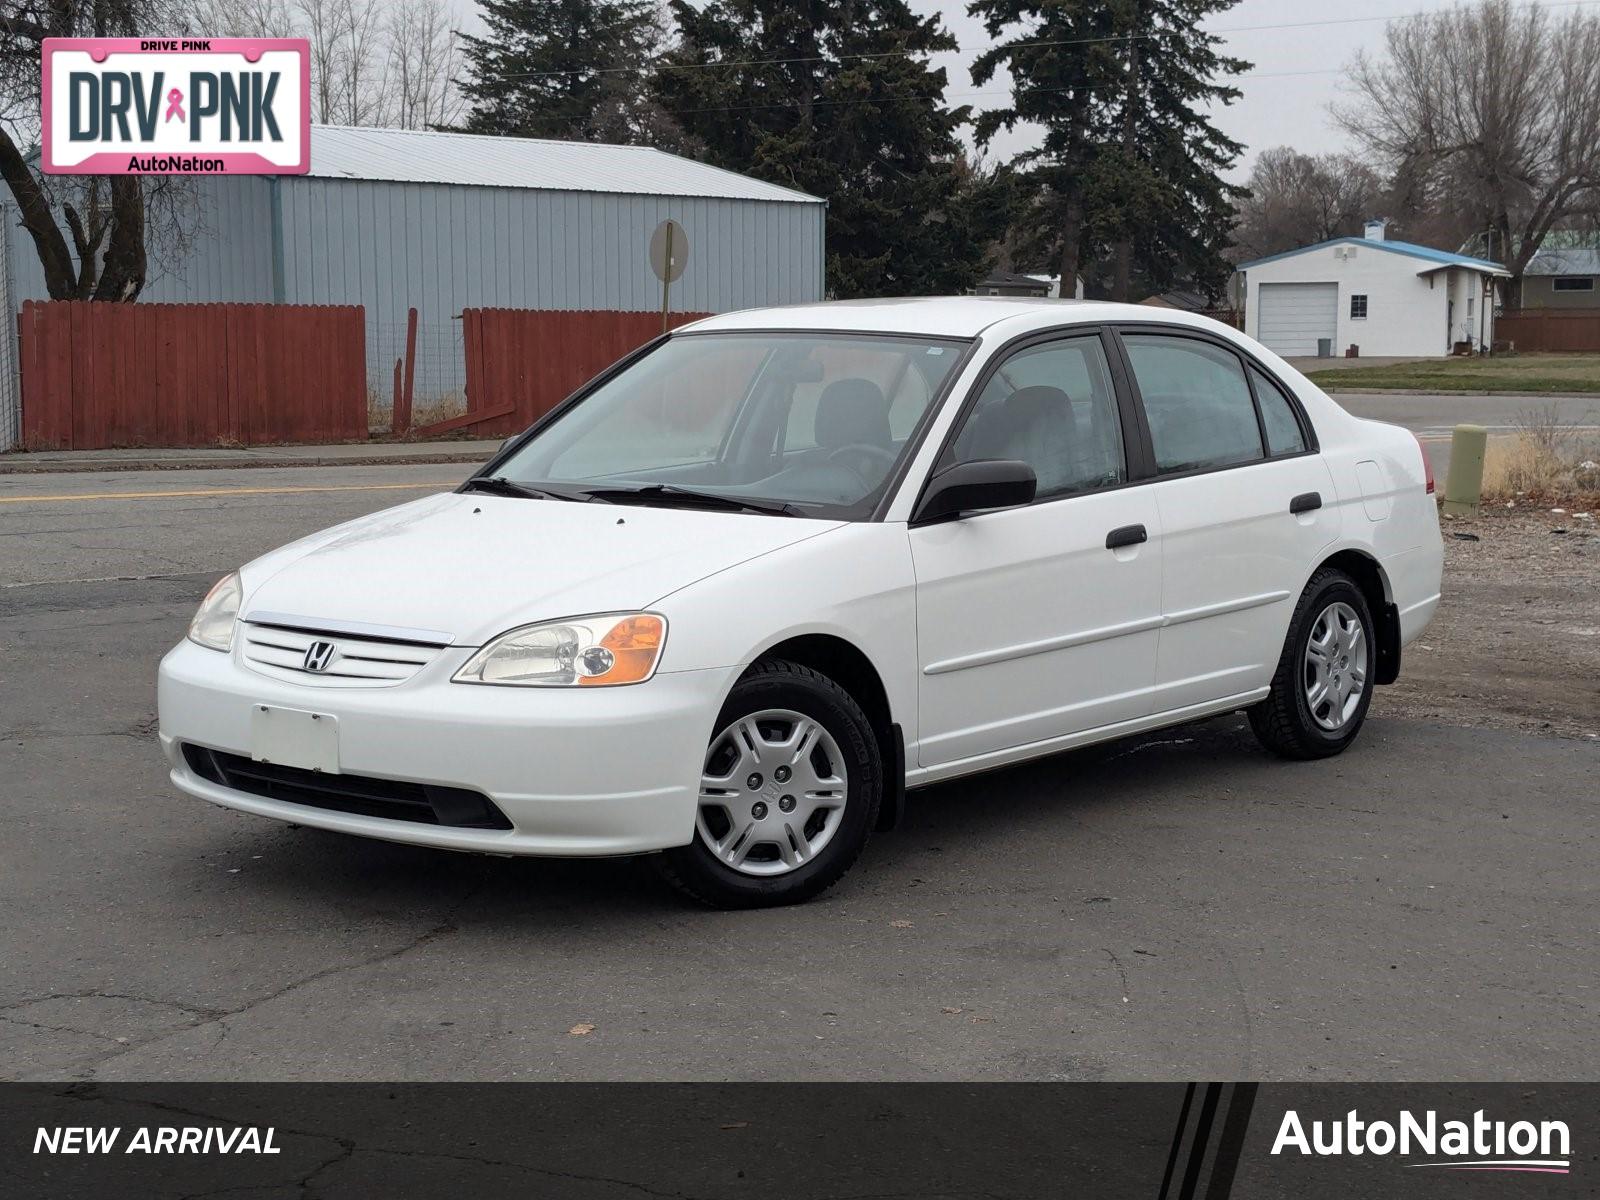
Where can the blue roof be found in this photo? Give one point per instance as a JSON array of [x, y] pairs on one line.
[[1442, 258]]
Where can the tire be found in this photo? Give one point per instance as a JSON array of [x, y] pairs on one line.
[[1292, 721], [782, 840]]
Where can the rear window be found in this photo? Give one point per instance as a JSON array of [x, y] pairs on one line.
[[1282, 427], [1197, 401]]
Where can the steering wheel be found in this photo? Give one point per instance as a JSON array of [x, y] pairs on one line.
[[867, 451]]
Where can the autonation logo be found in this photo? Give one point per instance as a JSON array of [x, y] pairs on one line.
[[1476, 1145]]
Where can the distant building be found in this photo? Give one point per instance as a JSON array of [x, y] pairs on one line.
[[1011, 283], [1562, 277], [1184, 301], [442, 221], [1387, 297]]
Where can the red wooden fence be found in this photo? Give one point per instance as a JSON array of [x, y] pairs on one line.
[[1550, 329], [99, 374], [521, 363]]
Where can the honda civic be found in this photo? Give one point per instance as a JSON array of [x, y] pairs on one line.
[[730, 601]]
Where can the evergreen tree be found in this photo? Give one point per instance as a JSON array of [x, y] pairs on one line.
[[569, 69], [1128, 173], [837, 98]]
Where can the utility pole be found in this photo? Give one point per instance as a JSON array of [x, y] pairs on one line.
[[1122, 260]]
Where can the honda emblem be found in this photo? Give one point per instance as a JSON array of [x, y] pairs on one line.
[[319, 656]]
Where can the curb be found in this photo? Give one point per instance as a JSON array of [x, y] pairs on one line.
[[67, 466]]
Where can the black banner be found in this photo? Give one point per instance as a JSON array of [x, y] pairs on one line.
[[857, 1141]]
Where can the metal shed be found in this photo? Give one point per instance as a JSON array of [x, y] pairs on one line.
[[394, 219]]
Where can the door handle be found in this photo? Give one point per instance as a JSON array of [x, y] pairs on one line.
[[1128, 535], [1305, 502]]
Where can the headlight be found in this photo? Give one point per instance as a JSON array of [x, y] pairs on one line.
[[599, 651], [212, 626]]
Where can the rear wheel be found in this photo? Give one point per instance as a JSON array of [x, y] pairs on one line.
[[1323, 685], [790, 792]]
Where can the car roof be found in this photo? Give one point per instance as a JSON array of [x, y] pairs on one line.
[[946, 316]]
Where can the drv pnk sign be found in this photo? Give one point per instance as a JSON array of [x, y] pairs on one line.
[[176, 106]]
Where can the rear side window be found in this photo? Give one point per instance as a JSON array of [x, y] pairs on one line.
[[1198, 403], [1282, 427]]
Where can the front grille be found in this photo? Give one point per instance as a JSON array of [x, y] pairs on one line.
[[354, 662], [359, 794]]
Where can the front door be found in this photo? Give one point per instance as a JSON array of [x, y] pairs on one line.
[[1247, 508], [1030, 626]]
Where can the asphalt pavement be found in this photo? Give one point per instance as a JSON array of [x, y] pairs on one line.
[[1172, 906], [1433, 418]]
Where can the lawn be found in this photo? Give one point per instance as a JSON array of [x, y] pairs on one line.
[[1500, 373]]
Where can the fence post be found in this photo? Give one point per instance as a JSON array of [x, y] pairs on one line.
[[403, 396]]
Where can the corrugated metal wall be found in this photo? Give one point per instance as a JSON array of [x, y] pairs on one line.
[[228, 259], [10, 372], [391, 246], [449, 248]]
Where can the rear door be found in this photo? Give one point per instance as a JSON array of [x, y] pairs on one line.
[[1246, 506]]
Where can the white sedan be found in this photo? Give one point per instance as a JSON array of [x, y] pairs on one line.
[[734, 597]]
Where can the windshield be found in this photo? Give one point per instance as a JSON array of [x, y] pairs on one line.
[[809, 423]]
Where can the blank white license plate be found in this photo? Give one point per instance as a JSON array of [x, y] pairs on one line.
[[290, 737]]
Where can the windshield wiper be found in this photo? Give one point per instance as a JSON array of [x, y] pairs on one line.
[[689, 498], [499, 485]]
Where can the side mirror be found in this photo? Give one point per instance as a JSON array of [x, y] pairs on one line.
[[974, 486]]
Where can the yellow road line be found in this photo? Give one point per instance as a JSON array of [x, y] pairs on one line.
[[260, 491]]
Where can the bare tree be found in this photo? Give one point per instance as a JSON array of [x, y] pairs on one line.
[[1298, 199], [369, 65], [1495, 109], [92, 233], [424, 60], [245, 18], [349, 83]]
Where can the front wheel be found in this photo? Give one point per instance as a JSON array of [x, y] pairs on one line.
[[790, 793], [1323, 685]]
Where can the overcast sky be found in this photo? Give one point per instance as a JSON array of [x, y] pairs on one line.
[[1296, 68]]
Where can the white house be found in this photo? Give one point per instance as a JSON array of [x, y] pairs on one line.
[[1386, 297]]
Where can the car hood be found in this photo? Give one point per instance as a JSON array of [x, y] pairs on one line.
[[474, 565]]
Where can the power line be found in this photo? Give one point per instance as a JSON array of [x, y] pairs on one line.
[[945, 96], [775, 62]]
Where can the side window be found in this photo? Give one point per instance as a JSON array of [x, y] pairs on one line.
[[1284, 435], [1197, 401], [1053, 407]]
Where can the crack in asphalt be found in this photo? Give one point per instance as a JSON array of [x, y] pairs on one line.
[[105, 1037], [1121, 972], [87, 1068]]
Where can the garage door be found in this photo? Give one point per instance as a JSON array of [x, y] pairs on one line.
[[1294, 315]]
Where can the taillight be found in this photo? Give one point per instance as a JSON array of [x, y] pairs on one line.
[[1427, 464]]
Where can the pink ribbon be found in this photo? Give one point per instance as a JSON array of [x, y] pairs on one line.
[[175, 105]]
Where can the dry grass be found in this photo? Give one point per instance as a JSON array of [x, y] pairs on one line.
[[425, 410], [1569, 373], [1546, 461]]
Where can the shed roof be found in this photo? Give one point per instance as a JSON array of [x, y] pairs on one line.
[[419, 156], [1574, 260], [1439, 258]]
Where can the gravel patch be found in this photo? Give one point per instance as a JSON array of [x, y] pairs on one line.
[[1516, 641]]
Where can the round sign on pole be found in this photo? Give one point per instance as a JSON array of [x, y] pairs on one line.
[[669, 251]]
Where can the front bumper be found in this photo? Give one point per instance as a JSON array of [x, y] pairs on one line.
[[577, 772]]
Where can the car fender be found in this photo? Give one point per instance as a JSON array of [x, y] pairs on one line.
[[856, 584]]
